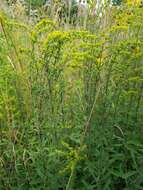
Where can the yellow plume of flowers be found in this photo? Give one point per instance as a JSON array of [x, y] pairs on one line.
[[133, 2]]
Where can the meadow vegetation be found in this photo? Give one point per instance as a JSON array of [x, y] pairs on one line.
[[71, 100]]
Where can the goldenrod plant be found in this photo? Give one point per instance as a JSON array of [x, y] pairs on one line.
[[71, 99]]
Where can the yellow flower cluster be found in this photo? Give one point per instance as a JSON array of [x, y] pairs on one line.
[[133, 2]]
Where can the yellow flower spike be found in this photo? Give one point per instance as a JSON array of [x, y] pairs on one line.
[[133, 2]]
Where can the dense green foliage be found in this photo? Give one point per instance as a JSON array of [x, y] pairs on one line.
[[71, 103], [116, 2], [36, 3]]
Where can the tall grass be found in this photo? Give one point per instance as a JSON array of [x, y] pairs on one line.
[[71, 103]]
